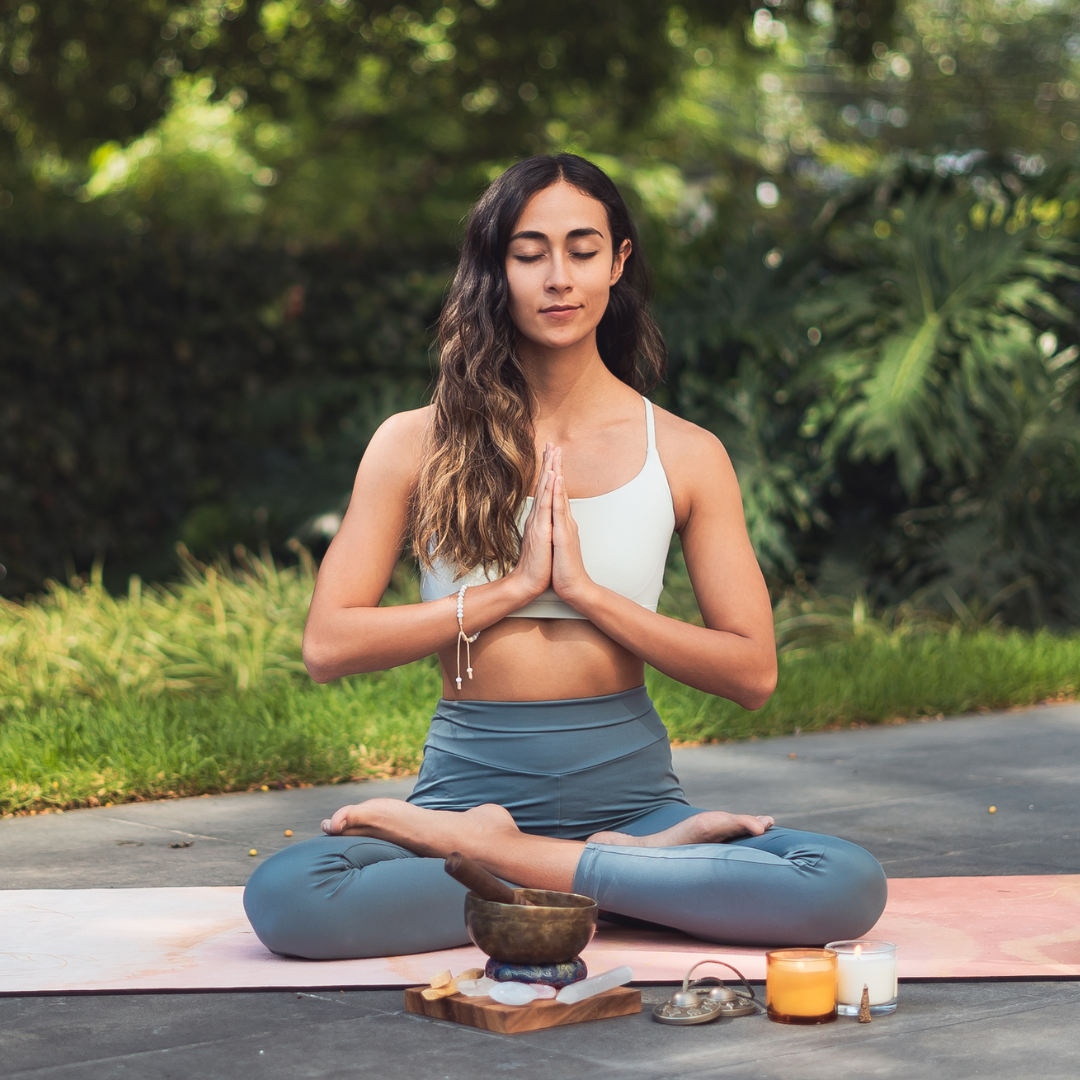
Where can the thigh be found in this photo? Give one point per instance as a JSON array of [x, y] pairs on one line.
[[785, 887], [342, 897]]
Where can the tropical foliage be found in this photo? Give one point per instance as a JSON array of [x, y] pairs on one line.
[[226, 225]]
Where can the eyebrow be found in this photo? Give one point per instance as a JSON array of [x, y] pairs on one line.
[[573, 234]]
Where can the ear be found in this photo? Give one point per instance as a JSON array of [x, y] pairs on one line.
[[619, 261]]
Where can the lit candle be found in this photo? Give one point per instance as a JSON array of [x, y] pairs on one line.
[[865, 963], [800, 985]]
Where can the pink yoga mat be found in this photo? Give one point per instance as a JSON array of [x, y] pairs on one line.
[[199, 939]]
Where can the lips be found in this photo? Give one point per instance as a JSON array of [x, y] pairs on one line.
[[560, 310]]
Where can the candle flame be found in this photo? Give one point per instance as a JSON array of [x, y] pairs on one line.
[[858, 950]]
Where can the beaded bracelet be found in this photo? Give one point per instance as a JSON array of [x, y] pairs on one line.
[[462, 636]]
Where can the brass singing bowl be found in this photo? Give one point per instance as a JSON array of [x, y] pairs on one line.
[[556, 928]]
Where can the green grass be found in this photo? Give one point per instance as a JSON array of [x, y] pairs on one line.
[[869, 680], [199, 688]]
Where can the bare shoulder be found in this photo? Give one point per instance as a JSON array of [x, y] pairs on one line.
[[397, 446], [404, 431], [683, 444], [697, 465]]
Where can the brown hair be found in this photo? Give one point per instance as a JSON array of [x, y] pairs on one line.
[[480, 460]]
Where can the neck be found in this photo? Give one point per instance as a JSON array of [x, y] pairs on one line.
[[566, 383]]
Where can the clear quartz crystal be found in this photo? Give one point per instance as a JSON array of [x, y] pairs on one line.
[[475, 987], [587, 988], [513, 993]]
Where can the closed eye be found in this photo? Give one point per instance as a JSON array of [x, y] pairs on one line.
[[580, 256]]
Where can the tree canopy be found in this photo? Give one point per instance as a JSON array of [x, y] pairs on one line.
[[324, 118]]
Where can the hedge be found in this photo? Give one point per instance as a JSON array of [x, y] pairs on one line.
[[153, 389]]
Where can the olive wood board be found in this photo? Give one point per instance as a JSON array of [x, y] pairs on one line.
[[512, 1019]]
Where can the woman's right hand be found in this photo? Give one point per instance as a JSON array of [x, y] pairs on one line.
[[533, 569]]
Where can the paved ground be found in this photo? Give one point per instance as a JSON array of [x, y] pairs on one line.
[[916, 795]]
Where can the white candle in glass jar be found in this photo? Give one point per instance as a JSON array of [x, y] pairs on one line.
[[865, 963]]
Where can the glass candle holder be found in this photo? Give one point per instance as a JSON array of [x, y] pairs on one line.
[[800, 986], [865, 963]]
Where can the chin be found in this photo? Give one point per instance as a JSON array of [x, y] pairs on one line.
[[565, 339]]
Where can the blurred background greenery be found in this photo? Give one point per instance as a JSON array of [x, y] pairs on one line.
[[226, 227]]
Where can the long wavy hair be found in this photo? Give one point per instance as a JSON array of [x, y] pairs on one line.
[[479, 462]]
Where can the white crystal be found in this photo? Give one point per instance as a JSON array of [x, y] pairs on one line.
[[513, 993], [475, 987], [543, 990], [587, 988]]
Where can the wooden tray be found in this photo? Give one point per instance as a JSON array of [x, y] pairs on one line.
[[511, 1019]]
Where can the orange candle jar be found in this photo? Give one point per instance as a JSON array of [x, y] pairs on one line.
[[800, 985]]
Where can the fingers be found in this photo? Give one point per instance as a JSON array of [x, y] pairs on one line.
[[562, 487], [546, 495], [561, 505], [545, 467], [544, 485]]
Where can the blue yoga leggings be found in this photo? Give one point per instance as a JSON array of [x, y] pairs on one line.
[[565, 769]]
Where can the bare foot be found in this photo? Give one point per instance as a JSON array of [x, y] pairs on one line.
[[710, 827], [486, 834], [432, 833]]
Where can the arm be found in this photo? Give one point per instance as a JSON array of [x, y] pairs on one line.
[[734, 654], [347, 632]]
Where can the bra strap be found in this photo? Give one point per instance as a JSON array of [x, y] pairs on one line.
[[650, 426]]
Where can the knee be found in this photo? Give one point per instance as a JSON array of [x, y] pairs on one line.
[[295, 899], [277, 898], [856, 893], [336, 898]]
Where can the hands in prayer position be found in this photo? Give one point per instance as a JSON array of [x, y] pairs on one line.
[[550, 548]]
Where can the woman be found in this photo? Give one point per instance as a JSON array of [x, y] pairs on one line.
[[546, 761]]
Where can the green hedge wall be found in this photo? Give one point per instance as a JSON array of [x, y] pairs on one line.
[[154, 389]]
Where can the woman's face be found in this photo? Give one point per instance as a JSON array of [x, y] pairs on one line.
[[560, 267]]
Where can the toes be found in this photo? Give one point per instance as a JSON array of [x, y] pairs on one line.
[[607, 838], [759, 824], [338, 823]]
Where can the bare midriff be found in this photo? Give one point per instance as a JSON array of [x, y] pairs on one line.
[[541, 660]]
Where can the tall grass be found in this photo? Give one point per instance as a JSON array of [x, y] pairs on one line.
[[199, 687], [223, 628]]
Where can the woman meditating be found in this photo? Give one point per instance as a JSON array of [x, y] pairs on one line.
[[539, 491]]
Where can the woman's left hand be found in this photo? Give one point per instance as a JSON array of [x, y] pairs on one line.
[[569, 577]]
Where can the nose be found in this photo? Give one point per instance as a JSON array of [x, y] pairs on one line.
[[558, 277]]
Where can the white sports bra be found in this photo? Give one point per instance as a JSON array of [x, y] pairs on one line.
[[624, 534]]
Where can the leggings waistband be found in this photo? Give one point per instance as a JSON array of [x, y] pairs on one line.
[[549, 737], [568, 714]]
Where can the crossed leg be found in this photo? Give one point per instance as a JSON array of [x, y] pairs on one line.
[[376, 887], [488, 835]]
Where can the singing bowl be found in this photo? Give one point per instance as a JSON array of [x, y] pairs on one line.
[[555, 929]]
